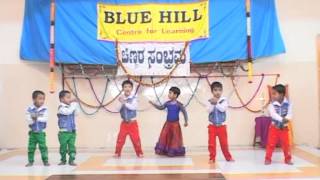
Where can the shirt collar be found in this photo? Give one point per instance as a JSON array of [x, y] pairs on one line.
[[38, 108], [63, 104], [132, 95]]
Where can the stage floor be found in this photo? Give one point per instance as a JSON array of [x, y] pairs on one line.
[[249, 164]]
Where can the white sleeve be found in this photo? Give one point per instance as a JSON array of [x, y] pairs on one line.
[[222, 106], [43, 117], [67, 110], [28, 117], [209, 107], [274, 115], [77, 108], [132, 105], [289, 114]]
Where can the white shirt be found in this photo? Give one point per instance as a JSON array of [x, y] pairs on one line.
[[41, 117], [222, 105], [274, 115], [66, 109]]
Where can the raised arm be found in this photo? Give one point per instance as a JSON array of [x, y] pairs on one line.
[[222, 105], [133, 105]]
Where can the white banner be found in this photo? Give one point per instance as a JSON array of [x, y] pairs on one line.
[[154, 59]]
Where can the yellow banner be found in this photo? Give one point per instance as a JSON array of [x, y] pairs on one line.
[[153, 22]]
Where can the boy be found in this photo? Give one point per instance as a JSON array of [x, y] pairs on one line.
[[217, 107], [37, 117], [170, 141], [67, 110], [129, 125], [280, 111]]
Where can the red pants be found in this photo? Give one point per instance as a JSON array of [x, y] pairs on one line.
[[132, 130], [221, 132], [275, 135]]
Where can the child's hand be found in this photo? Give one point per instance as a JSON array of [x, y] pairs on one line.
[[34, 116], [151, 102], [285, 121], [121, 99], [213, 101], [186, 124]]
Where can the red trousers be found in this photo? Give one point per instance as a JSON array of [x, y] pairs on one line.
[[221, 132], [275, 135], [132, 130]]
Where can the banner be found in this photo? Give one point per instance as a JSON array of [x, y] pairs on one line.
[[153, 22], [154, 59]]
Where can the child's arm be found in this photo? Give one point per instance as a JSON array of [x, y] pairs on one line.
[[132, 105], [67, 110], [43, 117], [185, 114], [274, 115], [159, 107], [288, 117], [222, 105], [28, 117]]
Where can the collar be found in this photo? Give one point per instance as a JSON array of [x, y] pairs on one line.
[[132, 95], [38, 108], [277, 103], [64, 104], [221, 99]]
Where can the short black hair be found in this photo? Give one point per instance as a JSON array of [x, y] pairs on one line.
[[36, 93], [216, 84], [127, 82], [63, 93], [175, 90], [280, 88]]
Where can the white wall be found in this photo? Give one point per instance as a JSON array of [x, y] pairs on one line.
[[300, 23]]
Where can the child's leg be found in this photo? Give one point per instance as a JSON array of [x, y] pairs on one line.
[[223, 139], [135, 138], [32, 144], [71, 146], [41, 137], [121, 138], [273, 138], [212, 142], [63, 140], [284, 139]]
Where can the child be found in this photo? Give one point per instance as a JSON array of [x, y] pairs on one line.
[[280, 111], [37, 116], [170, 142], [67, 110], [217, 107], [129, 125]]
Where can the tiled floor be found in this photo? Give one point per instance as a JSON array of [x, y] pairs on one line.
[[248, 164]]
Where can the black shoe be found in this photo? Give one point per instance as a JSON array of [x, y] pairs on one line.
[[62, 163], [29, 164], [72, 163], [46, 164]]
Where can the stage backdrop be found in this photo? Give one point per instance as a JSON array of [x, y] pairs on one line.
[[77, 31]]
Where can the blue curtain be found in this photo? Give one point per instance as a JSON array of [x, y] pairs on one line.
[[76, 32]]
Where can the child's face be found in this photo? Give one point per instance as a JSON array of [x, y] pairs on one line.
[[172, 95], [127, 89], [275, 96], [217, 92], [66, 99], [39, 100]]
